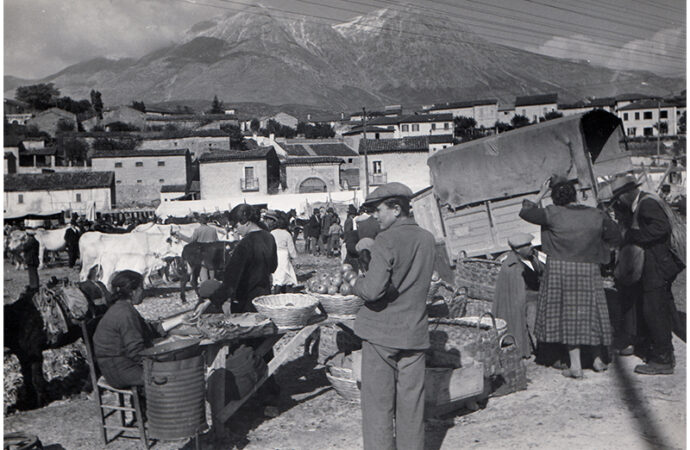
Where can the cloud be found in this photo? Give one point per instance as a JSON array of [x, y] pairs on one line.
[[44, 36], [663, 53]]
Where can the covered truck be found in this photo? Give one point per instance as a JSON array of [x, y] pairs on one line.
[[478, 186]]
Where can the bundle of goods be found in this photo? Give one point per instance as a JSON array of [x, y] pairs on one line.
[[334, 292], [512, 373], [287, 310], [341, 374], [478, 276], [458, 342]]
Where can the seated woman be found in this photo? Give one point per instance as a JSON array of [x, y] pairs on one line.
[[122, 333]]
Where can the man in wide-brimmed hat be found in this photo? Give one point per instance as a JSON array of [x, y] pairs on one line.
[[393, 323], [651, 230]]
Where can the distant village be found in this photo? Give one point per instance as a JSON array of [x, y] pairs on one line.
[[134, 157]]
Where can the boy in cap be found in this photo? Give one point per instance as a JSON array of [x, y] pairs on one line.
[[651, 230], [393, 323], [519, 271]]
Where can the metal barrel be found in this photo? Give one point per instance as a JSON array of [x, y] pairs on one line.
[[175, 394]]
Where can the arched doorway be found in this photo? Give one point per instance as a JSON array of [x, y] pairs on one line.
[[312, 184]]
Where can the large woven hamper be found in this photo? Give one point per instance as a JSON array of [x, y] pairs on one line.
[[478, 276], [287, 310]]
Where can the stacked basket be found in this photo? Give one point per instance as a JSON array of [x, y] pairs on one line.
[[342, 378], [340, 306], [287, 310], [475, 279]]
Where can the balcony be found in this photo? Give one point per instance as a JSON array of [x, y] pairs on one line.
[[376, 179], [249, 184]]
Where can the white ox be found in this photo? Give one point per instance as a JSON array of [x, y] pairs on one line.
[[186, 229], [51, 240], [141, 252]]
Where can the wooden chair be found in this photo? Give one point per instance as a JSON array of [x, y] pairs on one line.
[[101, 388]]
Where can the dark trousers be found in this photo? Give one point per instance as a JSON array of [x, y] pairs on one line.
[[33, 276], [73, 253], [121, 372], [392, 392], [659, 310]]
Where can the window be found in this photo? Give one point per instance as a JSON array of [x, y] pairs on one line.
[[78, 197], [405, 127], [446, 125], [118, 164], [161, 163], [161, 180], [139, 164], [377, 167], [118, 182], [138, 181], [637, 116], [377, 136], [648, 131], [433, 126], [249, 172], [647, 115], [349, 160], [663, 114], [625, 116], [20, 198], [415, 127], [632, 131]]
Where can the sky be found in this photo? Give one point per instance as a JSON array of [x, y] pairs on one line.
[[42, 37]]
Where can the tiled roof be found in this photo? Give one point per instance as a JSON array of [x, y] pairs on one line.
[[370, 129], [296, 150], [139, 153], [407, 144], [192, 117], [604, 101], [441, 139], [411, 118], [231, 155], [632, 97], [528, 100], [309, 160], [646, 104], [173, 188], [57, 181], [464, 104], [58, 111], [334, 149]]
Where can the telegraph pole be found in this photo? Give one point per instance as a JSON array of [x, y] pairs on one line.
[[658, 127], [366, 159]]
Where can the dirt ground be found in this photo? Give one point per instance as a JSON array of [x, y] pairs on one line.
[[610, 410]]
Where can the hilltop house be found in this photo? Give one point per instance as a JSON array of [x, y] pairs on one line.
[[49, 119], [484, 112], [139, 174], [125, 114], [402, 160], [645, 117], [535, 107], [239, 173], [282, 118], [50, 192], [16, 112]]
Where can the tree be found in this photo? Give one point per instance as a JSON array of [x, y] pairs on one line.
[[139, 106], [74, 106], [519, 121], [121, 126], [315, 131], [465, 128], [279, 130], [65, 125], [552, 115], [236, 137], [216, 106], [75, 150], [97, 103], [40, 96], [502, 127], [255, 125]]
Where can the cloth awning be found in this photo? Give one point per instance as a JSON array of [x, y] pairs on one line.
[[518, 161]]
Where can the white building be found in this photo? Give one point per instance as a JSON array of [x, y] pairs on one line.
[[239, 173], [644, 118], [534, 107], [402, 160], [484, 112]]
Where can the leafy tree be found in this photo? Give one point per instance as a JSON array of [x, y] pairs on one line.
[[519, 121], [255, 125], [65, 125], [139, 106], [681, 123], [279, 130], [662, 127], [73, 106], [502, 127], [552, 115], [97, 103], [216, 106], [115, 144], [40, 96], [315, 131], [236, 137], [466, 128], [121, 126], [75, 150]]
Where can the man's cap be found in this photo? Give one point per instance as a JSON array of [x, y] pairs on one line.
[[623, 184], [520, 240], [208, 287], [388, 190], [330, 210], [364, 244], [351, 209], [316, 210]]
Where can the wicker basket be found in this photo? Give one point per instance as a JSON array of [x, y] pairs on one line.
[[462, 305], [478, 276], [512, 374], [469, 339], [345, 385], [344, 306], [287, 310], [333, 340]]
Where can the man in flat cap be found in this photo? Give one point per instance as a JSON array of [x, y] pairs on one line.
[[651, 230], [520, 271], [393, 323], [30, 249]]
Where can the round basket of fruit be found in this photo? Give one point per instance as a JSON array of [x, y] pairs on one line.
[[334, 291]]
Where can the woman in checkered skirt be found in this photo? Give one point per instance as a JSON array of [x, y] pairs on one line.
[[577, 239]]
